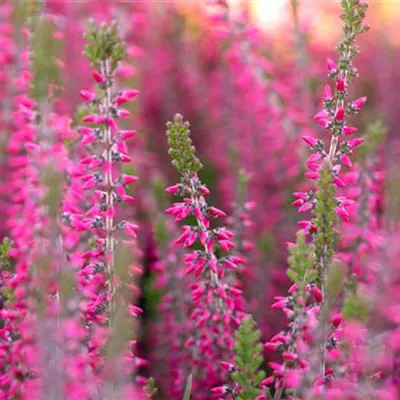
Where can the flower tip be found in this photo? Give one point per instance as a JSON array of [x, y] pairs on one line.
[[99, 78], [310, 140]]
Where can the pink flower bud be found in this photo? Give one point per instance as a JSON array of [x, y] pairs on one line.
[[125, 158], [87, 95], [342, 213], [339, 115], [323, 114], [99, 78], [134, 311], [130, 229], [305, 207], [298, 202], [123, 113], [328, 93], [348, 130], [279, 304], [317, 294], [312, 175], [127, 179], [271, 346], [216, 212], [130, 93], [310, 140], [346, 161], [355, 142], [126, 134], [339, 182], [301, 195], [331, 65], [289, 356], [292, 289], [357, 104], [340, 85], [337, 320], [220, 389], [173, 189]]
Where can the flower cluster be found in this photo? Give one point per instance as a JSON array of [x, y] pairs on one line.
[[217, 305]]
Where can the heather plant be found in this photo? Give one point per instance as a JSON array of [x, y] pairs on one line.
[[105, 265], [244, 373], [325, 166], [217, 304], [104, 295]]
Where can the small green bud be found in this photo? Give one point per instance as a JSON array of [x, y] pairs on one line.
[[181, 150], [46, 50], [104, 44]]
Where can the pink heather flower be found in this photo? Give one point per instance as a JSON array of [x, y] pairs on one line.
[[220, 390], [126, 134], [323, 114], [87, 95], [331, 66], [317, 294], [339, 182], [357, 104], [328, 93], [99, 78], [310, 140], [305, 207], [355, 142], [342, 213], [348, 130], [346, 161], [340, 85], [337, 320], [339, 115]]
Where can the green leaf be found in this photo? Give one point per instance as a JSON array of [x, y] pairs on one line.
[[248, 359], [188, 388]]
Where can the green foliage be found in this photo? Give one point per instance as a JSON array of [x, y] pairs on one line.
[[335, 281], [372, 140], [188, 388], [104, 44], [301, 263], [242, 186], [5, 248], [356, 307], [267, 244], [325, 220], [181, 150], [248, 359], [352, 16], [53, 181], [150, 388], [26, 13], [45, 53], [151, 294], [161, 231]]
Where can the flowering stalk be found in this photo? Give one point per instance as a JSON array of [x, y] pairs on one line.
[[325, 166], [244, 373], [301, 313], [168, 352], [105, 50], [96, 243], [216, 304]]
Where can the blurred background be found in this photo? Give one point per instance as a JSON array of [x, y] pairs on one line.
[[249, 77]]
